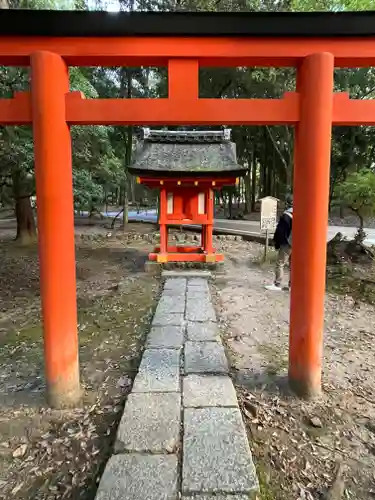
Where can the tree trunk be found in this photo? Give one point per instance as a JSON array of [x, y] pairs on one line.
[[264, 165], [125, 213], [230, 205], [274, 183], [128, 153], [26, 227], [361, 221], [132, 190], [360, 235], [253, 184], [248, 193]]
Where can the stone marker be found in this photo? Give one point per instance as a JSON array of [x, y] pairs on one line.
[[208, 390], [159, 371], [216, 453], [205, 357], [139, 477], [200, 332], [150, 423], [166, 336]]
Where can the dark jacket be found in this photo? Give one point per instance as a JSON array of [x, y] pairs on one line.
[[283, 233]]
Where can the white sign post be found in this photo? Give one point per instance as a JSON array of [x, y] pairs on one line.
[[268, 218]]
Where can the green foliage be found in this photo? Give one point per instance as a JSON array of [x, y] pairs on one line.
[[357, 192], [331, 5], [88, 194]]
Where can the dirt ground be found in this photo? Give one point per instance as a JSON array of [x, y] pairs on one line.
[[323, 449], [52, 455]]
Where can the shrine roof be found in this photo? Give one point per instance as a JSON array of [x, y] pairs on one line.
[[57, 23], [186, 152]]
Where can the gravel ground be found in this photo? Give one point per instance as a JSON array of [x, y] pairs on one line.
[[323, 449]]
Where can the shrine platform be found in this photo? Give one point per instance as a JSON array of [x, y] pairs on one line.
[[184, 254]]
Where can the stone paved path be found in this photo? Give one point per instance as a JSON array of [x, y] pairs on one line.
[[181, 434]]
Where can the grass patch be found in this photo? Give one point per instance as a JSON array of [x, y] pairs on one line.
[[112, 329], [265, 491], [268, 485]]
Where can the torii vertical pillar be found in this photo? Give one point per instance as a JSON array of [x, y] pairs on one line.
[[310, 222], [54, 188]]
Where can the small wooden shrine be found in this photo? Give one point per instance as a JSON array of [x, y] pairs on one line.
[[187, 166]]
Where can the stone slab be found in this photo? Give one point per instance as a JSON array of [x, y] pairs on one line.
[[216, 497], [159, 371], [150, 423], [200, 310], [208, 390], [201, 332], [205, 357], [162, 318], [171, 337], [181, 273], [173, 283], [201, 282], [216, 453], [171, 304], [136, 477], [175, 292], [202, 286], [200, 300], [196, 293], [198, 283]]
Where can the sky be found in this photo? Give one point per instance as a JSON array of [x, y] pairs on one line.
[[109, 5], [112, 6]]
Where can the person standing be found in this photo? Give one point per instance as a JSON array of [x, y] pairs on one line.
[[283, 243]]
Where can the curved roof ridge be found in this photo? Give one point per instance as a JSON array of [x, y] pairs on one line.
[[187, 136]]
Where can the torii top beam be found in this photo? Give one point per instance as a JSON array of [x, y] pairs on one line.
[[87, 38]]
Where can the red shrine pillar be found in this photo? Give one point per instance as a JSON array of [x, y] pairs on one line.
[[209, 227], [54, 188], [163, 224], [310, 221]]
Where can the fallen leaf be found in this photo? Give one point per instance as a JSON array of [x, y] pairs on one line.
[[316, 422], [20, 451]]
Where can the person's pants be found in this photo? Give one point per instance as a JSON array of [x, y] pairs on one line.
[[284, 257]]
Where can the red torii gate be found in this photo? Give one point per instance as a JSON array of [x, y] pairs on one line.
[[314, 43]]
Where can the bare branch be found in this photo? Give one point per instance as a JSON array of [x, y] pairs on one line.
[[277, 148]]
